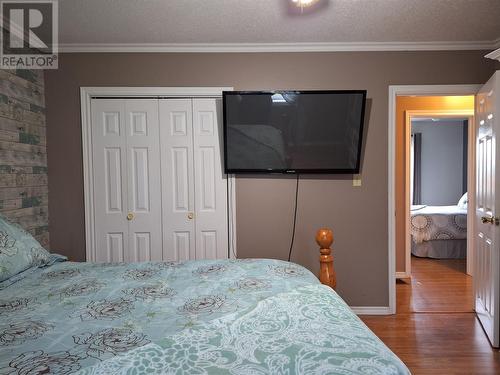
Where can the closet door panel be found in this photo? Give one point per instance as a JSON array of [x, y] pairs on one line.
[[176, 139], [159, 188], [144, 191], [110, 175], [210, 182], [115, 248], [182, 245], [141, 246], [113, 179]]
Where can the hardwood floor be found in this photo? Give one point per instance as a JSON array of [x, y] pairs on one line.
[[437, 285], [434, 330], [437, 343]]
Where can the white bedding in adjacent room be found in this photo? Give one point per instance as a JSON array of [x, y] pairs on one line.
[[423, 209]]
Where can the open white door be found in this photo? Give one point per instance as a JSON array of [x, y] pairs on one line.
[[487, 253]]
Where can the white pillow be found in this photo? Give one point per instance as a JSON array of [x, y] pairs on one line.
[[462, 203]]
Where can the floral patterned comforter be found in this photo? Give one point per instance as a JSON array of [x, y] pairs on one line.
[[438, 223], [233, 316]]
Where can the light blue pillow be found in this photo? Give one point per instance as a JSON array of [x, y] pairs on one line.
[[18, 250]]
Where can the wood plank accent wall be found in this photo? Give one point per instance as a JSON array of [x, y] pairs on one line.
[[23, 152]]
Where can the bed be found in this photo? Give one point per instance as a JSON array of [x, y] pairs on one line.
[[439, 231], [252, 316]]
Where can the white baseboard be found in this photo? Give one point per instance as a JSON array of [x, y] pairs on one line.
[[402, 275], [371, 310]]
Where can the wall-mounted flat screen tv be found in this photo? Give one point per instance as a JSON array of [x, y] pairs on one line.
[[293, 131]]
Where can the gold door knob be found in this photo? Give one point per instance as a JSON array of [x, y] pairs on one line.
[[130, 216], [190, 216], [490, 220]]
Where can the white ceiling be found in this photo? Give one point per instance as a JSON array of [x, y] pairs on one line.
[[468, 24]]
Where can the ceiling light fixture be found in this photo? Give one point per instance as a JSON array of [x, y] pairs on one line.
[[303, 3]]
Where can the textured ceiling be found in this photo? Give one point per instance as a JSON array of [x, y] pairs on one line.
[[271, 21]]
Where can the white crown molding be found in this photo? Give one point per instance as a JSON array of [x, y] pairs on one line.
[[273, 47], [495, 55]]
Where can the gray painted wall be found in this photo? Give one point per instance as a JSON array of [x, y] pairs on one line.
[[442, 161], [357, 215]]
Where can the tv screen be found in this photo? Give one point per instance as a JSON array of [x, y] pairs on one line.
[[293, 131]]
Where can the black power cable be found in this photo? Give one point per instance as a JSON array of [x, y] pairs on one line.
[[294, 218], [230, 213]]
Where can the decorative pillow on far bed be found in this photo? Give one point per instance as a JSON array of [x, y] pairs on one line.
[[18, 250], [462, 203]]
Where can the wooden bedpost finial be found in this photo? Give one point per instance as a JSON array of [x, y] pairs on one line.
[[324, 238]]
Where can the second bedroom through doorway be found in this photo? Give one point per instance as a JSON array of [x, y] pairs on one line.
[[434, 240], [438, 187]]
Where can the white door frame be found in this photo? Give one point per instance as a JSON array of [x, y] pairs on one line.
[[86, 95], [407, 90]]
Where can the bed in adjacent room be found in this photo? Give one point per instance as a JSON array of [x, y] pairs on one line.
[[214, 316], [439, 231]]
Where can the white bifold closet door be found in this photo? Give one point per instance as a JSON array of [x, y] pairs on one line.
[[194, 188], [126, 174]]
